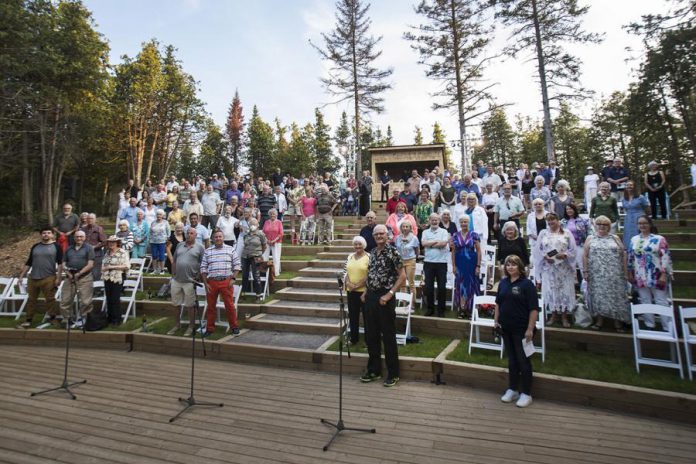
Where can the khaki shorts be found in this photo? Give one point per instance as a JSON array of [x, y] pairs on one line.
[[183, 294], [293, 211]]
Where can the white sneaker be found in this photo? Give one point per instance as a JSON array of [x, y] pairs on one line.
[[509, 396], [524, 401]]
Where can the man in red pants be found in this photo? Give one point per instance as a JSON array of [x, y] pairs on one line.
[[219, 269]]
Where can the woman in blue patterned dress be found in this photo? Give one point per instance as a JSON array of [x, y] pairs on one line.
[[635, 205], [141, 235], [466, 264]]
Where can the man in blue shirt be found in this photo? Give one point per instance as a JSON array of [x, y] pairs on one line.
[[466, 185], [407, 197], [435, 241], [130, 212], [618, 176], [547, 174], [233, 191]]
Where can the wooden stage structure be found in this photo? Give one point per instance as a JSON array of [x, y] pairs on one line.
[[271, 415]]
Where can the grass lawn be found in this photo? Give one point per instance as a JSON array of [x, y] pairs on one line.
[[287, 275], [685, 292], [298, 258], [684, 265], [429, 346], [586, 365]]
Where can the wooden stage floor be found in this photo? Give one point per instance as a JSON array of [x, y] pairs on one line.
[[272, 415]]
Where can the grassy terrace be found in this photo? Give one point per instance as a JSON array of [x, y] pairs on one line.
[[586, 365]]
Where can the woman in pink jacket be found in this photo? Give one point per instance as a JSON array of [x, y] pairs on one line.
[[394, 221]]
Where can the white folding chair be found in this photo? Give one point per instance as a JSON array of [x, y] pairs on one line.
[[477, 322], [689, 337], [98, 295], [130, 288], [265, 283], [5, 288], [136, 271], [404, 308], [14, 300], [418, 283], [670, 336], [541, 328]]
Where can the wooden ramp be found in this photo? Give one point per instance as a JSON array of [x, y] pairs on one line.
[[272, 415]]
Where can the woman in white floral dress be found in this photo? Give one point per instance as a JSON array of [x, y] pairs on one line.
[[555, 269]]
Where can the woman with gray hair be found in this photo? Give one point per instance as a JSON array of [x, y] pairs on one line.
[[540, 190], [561, 199], [355, 277], [124, 233], [252, 255]]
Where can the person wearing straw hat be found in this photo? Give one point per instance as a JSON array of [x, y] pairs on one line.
[[114, 267]]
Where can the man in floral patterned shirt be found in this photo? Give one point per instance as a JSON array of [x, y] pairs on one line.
[[385, 275]]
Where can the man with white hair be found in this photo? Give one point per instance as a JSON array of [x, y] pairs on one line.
[[78, 262], [385, 276], [492, 178]]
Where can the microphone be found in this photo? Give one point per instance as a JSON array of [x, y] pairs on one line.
[[339, 278]]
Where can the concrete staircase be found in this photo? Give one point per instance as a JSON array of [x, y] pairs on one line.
[[305, 314]]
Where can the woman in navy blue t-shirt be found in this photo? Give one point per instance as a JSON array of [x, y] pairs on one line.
[[516, 312]]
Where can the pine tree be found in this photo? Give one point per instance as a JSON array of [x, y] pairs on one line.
[[451, 44], [352, 53], [498, 139], [440, 137], [326, 161], [543, 27], [234, 129], [261, 144], [418, 136], [390, 139]]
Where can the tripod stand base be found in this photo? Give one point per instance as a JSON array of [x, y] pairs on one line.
[[340, 427], [191, 402], [64, 386]]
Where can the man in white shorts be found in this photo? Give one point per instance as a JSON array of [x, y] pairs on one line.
[[294, 212], [186, 267]]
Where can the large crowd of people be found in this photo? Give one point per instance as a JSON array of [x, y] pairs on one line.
[[214, 228]]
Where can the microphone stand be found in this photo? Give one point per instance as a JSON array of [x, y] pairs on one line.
[[340, 426], [191, 400], [66, 385]]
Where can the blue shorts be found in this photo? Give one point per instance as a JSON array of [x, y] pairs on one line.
[[158, 251]]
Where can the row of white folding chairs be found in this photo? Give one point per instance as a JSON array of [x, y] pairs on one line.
[[13, 297], [128, 295], [668, 335], [477, 323]]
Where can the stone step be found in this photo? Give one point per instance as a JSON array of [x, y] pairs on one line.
[[684, 213], [281, 339], [303, 308], [296, 324], [682, 253], [327, 263], [333, 255], [304, 294], [314, 283], [327, 272], [332, 248]]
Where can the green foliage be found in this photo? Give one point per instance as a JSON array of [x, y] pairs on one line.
[[326, 161], [234, 130], [261, 144], [352, 52], [498, 140], [213, 152], [417, 136]]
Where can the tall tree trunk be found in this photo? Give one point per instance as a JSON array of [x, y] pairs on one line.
[[683, 105], [548, 133], [464, 147], [356, 100], [27, 190]]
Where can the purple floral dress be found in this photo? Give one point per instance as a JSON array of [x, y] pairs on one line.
[[467, 283]]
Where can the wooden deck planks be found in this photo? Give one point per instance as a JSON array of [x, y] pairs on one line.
[[271, 415]]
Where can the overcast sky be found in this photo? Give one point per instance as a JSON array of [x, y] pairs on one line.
[[261, 48]]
